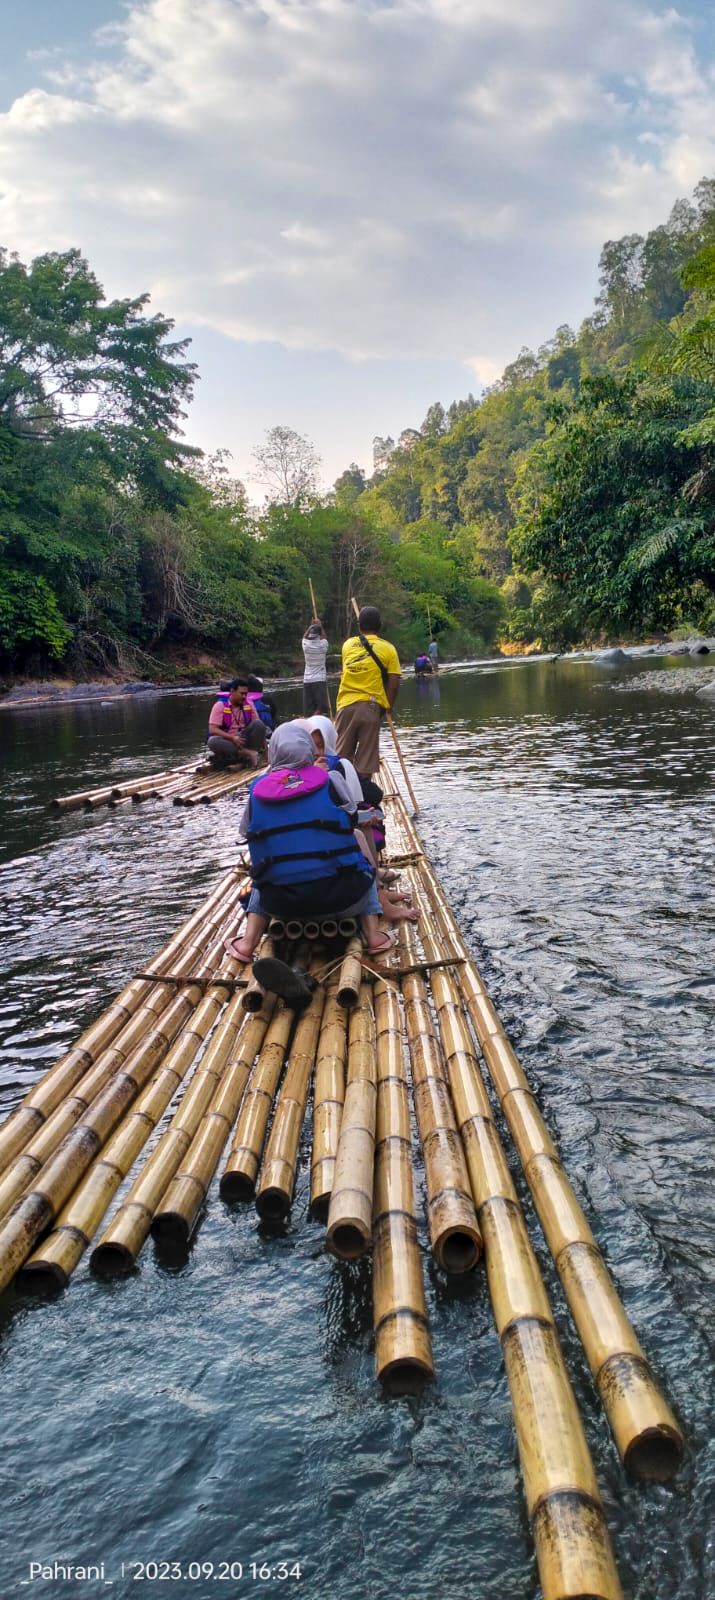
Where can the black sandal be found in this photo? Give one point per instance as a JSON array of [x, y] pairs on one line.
[[292, 984]]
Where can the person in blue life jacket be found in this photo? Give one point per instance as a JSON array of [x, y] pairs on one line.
[[236, 733], [366, 797], [263, 703], [299, 823]]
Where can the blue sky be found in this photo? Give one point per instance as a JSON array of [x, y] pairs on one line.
[[354, 207]]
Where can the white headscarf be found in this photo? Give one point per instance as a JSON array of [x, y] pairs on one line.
[[326, 729]]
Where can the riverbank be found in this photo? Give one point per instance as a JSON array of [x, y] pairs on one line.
[[39, 692]]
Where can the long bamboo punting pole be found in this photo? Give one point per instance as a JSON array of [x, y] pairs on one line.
[[238, 1180], [177, 1216], [328, 1099], [645, 1430], [48, 1094], [454, 1231], [350, 1213], [274, 1194], [120, 1244], [53, 1262], [403, 1349]]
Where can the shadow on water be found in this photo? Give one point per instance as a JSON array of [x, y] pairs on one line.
[[222, 1406]]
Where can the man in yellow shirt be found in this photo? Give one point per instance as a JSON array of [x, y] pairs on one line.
[[368, 686]]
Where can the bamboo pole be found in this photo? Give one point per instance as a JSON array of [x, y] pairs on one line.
[[454, 1231], [274, 1194], [328, 1100], [47, 1095], [177, 1216], [254, 995], [51, 1265], [403, 1349], [571, 1537], [139, 1043], [120, 1244], [144, 1023], [238, 1180], [351, 974], [62, 1172], [350, 1213], [644, 1427]]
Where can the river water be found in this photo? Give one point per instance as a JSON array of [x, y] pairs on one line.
[[225, 1410]]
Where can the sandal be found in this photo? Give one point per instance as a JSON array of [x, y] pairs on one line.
[[232, 948], [292, 984], [387, 942]]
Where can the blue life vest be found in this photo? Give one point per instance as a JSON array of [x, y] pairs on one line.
[[263, 709], [299, 835]]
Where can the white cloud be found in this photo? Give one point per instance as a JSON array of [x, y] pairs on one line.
[[412, 178]]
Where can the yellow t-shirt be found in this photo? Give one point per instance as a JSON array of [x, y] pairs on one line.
[[361, 677]]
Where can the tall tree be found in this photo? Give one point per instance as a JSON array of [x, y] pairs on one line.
[[288, 466]]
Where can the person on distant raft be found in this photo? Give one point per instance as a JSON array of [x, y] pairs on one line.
[[263, 703], [423, 666], [368, 687], [315, 675], [433, 653], [305, 860], [236, 734]]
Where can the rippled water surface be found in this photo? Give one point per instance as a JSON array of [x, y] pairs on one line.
[[226, 1409]]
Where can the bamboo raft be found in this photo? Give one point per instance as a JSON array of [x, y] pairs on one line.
[[189, 785], [194, 1060]]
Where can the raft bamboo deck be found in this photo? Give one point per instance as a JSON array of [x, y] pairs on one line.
[[192, 1056], [190, 785]]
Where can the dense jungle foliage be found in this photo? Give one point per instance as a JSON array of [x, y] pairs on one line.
[[574, 501]]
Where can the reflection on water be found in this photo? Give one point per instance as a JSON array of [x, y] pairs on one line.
[[225, 1408]]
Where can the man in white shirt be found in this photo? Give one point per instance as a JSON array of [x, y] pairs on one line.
[[315, 678]]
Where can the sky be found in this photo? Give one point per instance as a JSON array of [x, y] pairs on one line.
[[352, 207]]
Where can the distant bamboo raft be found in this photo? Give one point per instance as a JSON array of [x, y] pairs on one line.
[[188, 785], [193, 1065]]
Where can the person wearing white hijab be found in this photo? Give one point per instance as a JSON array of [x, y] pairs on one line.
[[326, 745]]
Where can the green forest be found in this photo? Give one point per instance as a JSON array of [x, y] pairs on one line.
[[573, 503]]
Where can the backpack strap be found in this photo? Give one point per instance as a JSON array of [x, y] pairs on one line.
[[378, 663]]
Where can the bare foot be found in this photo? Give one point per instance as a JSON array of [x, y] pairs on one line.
[[393, 913]]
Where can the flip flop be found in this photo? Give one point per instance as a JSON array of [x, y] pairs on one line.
[[291, 983], [231, 950], [387, 942]]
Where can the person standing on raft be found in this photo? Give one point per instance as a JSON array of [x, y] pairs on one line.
[[369, 685], [305, 859], [315, 675], [237, 736]]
